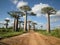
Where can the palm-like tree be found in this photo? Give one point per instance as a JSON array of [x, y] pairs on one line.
[[25, 9], [48, 11], [7, 20], [29, 26], [16, 15], [20, 24], [33, 24]]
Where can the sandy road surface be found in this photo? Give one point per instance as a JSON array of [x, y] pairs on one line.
[[31, 38]]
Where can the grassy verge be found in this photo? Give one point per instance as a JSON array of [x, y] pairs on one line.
[[55, 33], [9, 34]]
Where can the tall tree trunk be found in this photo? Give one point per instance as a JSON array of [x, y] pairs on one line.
[[17, 24], [33, 26], [28, 26], [14, 24], [6, 25], [48, 24], [25, 22]]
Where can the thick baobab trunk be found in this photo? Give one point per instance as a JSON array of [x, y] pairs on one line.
[[28, 26], [48, 23], [14, 24], [33, 26], [25, 22], [6, 25], [17, 24]]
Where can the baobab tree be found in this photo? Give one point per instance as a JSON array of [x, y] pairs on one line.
[[25, 9], [20, 22], [23, 25], [16, 15], [33, 24], [7, 21], [48, 11], [29, 26]]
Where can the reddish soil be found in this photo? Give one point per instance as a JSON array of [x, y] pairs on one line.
[[31, 38]]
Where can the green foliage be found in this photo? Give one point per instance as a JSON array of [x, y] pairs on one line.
[[42, 31], [6, 30], [48, 10], [9, 34], [25, 8], [4, 33], [32, 14], [55, 32]]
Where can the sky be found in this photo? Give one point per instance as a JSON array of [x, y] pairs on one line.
[[35, 5]]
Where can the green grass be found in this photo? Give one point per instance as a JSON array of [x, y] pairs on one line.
[[9, 34], [55, 32]]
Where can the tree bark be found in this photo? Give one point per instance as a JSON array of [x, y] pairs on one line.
[[25, 22], [17, 24], [48, 23], [33, 26], [14, 25], [6, 25], [28, 26]]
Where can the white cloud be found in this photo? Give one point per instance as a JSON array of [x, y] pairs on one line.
[[2, 22], [7, 18], [58, 12], [21, 3], [11, 22], [37, 8], [14, 1], [56, 17], [54, 20]]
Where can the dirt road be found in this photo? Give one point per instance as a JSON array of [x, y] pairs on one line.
[[31, 38]]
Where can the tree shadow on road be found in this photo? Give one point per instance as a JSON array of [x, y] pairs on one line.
[[2, 43]]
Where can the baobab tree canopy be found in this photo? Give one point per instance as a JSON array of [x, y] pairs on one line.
[[7, 19], [48, 10], [16, 14], [25, 8]]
